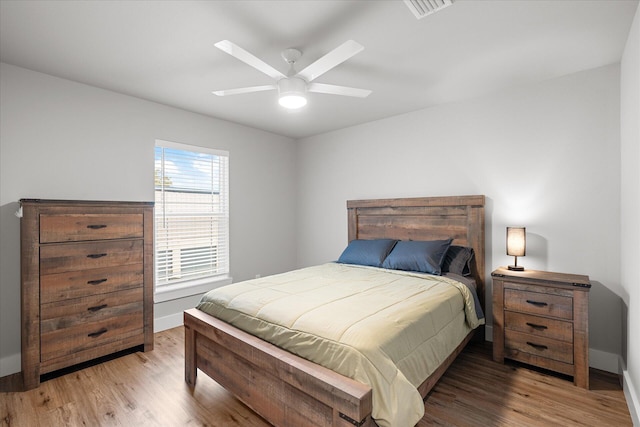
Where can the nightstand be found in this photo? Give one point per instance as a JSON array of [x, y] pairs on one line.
[[541, 318]]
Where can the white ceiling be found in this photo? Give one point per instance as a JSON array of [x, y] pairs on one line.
[[164, 51]]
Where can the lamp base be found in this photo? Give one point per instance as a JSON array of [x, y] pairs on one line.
[[515, 267]]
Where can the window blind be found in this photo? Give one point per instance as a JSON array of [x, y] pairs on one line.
[[191, 214]]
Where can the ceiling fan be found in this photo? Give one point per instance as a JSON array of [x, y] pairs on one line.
[[293, 86]]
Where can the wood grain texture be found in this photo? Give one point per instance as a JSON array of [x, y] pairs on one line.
[[73, 227], [78, 284], [148, 389], [220, 350], [247, 366], [87, 282], [541, 318], [424, 218]]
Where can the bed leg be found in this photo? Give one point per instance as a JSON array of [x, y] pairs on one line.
[[190, 368]]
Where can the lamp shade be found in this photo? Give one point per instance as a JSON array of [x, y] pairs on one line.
[[516, 241]]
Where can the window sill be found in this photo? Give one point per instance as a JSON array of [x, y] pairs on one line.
[[190, 288]]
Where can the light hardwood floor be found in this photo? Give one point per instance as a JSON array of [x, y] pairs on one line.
[[148, 389]]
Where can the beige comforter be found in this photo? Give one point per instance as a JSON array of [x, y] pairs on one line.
[[388, 329]]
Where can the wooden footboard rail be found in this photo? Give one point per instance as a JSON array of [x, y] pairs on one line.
[[284, 389]]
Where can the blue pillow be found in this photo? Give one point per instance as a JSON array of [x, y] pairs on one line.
[[422, 256], [367, 252]]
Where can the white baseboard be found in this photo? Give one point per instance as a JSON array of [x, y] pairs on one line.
[[632, 398], [168, 322], [597, 358], [10, 365]]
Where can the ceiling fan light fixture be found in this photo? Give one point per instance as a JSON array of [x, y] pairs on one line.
[[293, 87], [292, 93], [292, 102]]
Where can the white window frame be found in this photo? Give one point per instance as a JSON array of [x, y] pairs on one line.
[[189, 287]]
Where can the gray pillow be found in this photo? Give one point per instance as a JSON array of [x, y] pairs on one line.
[[458, 260]]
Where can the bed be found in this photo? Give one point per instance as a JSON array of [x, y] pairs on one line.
[[288, 390]]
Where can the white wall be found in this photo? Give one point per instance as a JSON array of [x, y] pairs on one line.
[[630, 210], [546, 156], [65, 140]]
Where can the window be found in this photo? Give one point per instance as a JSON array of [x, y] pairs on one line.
[[191, 219]]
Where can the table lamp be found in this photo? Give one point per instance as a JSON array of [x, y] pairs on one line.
[[516, 245]]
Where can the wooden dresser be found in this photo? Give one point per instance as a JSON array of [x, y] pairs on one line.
[[541, 318], [87, 282]]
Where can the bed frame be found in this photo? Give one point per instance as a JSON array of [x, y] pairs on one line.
[[287, 390]]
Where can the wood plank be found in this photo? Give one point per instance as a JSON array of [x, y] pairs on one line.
[[70, 227], [77, 284], [327, 387], [148, 389], [477, 200], [30, 296], [60, 258], [541, 304], [148, 248], [581, 339], [516, 343], [539, 326]]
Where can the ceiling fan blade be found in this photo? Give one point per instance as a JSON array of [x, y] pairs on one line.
[[335, 57], [246, 57], [243, 90], [338, 90]]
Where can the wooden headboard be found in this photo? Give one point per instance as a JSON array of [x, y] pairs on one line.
[[424, 218]]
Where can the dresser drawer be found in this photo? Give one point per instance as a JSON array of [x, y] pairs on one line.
[[516, 342], [539, 326], [78, 324], [538, 303], [81, 256], [84, 283], [78, 227]]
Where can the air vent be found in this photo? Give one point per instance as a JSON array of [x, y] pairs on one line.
[[422, 8]]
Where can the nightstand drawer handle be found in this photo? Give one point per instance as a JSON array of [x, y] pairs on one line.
[[97, 333], [534, 326], [537, 303], [97, 308], [96, 226], [96, 282], [537, 346], [95, 256]]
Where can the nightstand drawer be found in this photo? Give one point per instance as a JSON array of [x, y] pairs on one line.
[[515, 342], [539, 326], [538, 303], [69, 227]]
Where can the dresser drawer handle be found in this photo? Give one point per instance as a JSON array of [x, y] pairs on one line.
[[537, 346], [95, 256], [97, 333], [97, 308], [537, 303], [534, 326], [96, 282], [96, 226]]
